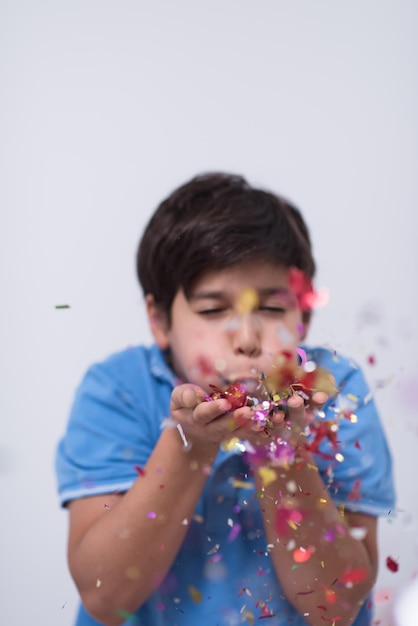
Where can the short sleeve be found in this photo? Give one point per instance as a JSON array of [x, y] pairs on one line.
[[111, 430], [360, 476]]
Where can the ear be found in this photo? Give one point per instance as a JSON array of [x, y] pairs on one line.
[[157, 319]]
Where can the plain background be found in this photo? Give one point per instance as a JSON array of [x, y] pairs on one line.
[[106, 107]]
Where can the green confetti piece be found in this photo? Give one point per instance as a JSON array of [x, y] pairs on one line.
[[62, 306], [131, 618]]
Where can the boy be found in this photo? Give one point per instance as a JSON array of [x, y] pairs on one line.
[[170, 523]]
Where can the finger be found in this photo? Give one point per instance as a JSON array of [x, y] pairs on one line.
[[296, 403], [319, 398], [208, 411], [278, 418], [186, 396]]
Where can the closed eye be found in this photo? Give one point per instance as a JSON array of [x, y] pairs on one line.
[[273, 309], [211, 311]]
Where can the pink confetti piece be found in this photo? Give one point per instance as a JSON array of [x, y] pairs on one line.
[[234, 532]]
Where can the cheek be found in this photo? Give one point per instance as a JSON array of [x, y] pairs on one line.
[[286, 335]]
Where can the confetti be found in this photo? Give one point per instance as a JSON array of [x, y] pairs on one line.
[[267, 475], [214, 549], [195, 594], [235, 530], [305, 593], [125, 615], [132, 572], [241, 484], [247, 301], [139, 470], [391, 564], [302, 289], [62, 306], [355, 492], [353, 576], [249, 616], [301, 555], [358, 532], [287, 518]]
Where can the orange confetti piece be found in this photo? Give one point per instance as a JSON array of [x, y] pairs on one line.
[[301, 555], [195, 594]]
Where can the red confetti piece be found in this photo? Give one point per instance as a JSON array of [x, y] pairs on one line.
[[236, 394], [391, 564], [355, 492], [353, 576], [371, 360], [287, 519], [305, 593], [331, 596], [265, 611], [357, 445], [139, 470]]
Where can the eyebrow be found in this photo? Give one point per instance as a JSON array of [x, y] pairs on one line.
[[218, 295]]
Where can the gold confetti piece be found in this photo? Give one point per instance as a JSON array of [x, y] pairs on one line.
[[228, 446], [195, 594], [249, 616], [98, 583], [247, 301], [242, 484], [267, 475], [132, 572]]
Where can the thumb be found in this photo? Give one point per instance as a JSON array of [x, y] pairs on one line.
[[186, 396]]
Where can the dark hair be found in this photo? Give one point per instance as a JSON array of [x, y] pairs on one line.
[[212, 222]]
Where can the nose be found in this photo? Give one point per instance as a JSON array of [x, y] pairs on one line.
[[246, 337]]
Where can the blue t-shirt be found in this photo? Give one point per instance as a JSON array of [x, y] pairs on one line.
[[115, 422]]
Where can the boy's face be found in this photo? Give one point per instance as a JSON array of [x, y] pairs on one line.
[[237, 323]]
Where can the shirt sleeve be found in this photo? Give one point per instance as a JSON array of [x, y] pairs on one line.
[[359, 473], [108, 434]]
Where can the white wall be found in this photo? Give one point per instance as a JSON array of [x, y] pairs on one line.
[[107, 106]]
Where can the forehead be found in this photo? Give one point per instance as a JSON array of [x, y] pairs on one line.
[[260, 276]]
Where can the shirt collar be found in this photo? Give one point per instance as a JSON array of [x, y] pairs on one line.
[[160, 368]]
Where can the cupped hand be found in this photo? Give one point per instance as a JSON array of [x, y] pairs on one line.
[[210, 420]]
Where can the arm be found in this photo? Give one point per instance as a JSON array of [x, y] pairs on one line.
[[118, 555], [339, 570]]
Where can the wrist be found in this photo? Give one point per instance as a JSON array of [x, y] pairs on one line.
[[202, 451]]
